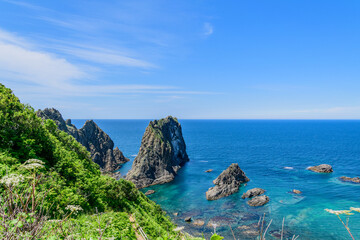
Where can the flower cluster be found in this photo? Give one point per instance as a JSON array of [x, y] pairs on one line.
[[355, 209], [12, 179], [339, 212], [32, 164], [73, 208]]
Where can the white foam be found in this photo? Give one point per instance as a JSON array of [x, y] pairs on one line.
[[134, 155], [288, 168], [203, 161]]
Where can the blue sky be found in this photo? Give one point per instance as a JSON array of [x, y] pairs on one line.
[[277, 59]]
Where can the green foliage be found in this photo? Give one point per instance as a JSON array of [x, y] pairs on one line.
[[70, 176], [216, 237], [114, 225]]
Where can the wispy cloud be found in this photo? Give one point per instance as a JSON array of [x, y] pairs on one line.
[[24, 4], [107, 56], [37, 72], [208, 29], [20, 62]]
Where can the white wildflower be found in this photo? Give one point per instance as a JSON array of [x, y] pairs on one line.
[[355, 209], [30, 161], [339, 212], [12, 179], [73, 208], [32, 164]]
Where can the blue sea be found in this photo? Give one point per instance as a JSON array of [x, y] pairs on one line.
[[274, 154]]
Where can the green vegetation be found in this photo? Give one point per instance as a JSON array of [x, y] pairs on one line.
[[69, 177]]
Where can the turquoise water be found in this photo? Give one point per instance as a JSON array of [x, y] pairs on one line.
[[262, 148]]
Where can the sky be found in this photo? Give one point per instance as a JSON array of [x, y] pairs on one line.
[[193, 59]]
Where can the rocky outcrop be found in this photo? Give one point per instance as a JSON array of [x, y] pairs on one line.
[[227, 183], [322, 168], [161, 155], [258, 201], [96, 141], [349, 179], [295, 191], [253, 192], [149, 192]]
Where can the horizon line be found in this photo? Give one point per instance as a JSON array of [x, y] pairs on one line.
[[229, 119]]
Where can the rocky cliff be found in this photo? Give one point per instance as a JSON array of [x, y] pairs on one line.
[[227, 183], [161, 155], [96, 141]]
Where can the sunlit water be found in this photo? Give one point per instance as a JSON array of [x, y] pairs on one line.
[[274, 155]]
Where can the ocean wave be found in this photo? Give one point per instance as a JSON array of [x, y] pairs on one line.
[[288, 168]]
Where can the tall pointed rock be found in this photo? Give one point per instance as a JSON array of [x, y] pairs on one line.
[[161, 155]]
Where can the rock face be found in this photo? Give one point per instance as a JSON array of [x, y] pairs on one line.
[[96, 141], [258, 201], [149, 192], [161, 155], [323, 168], [227, 183], [253, 192], [349, 179]]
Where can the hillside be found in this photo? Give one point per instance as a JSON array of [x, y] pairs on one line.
[[70, 177]]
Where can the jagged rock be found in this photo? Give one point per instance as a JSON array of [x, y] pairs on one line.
[[258, 201], [296, 191], [209, 170], [227, 183], [322, 168], [96, 141], [188, 219], [349, 179], [149, 192], [161, 155], [252, 193]]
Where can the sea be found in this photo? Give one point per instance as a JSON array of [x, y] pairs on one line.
[[274, 154]]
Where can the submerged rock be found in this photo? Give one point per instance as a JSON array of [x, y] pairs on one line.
[[252, 193], [161, 155], [296, 191], [322, 168], [258, 201], [227, 183], [96, 141], [199, 222], [149, 192], [349, 179]]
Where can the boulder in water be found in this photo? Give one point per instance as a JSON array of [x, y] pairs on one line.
[[258, 201], [322, 168], [227, 183], [252, 193]]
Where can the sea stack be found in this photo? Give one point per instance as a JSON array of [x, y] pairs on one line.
[[162, 153], [227, 183], [96, 141]]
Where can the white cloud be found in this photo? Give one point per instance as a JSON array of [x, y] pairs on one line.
[[20, 62], [208, 29]]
